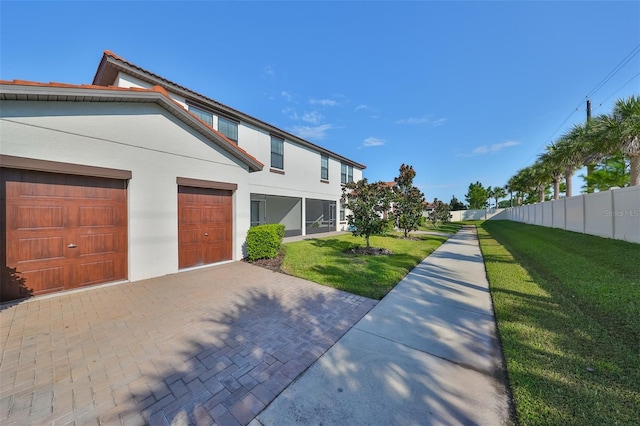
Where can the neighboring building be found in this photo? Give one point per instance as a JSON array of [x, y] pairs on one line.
[[135, 177]]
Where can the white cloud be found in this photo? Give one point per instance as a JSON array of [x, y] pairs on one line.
[[422, 120], [361, 107], [412, 120], [323, 102], [371, 141], [486, 149], [312, 117], [269, 71], [311, 132], [286, 95], [290, 113]]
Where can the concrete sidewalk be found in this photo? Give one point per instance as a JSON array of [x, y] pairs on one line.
[[427, 354]]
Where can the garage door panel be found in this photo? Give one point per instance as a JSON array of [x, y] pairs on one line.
[[214, 215], [204, 226], [31, 249], [42, 280], [218, 235], [190, 256], [38, 217], [97, 244], [190, 216], [191, 236], [99, 216], [96, 272], [58, 227]]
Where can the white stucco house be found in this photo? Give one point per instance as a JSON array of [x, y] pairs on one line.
[[134, 177]]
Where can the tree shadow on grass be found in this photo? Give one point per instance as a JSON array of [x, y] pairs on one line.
[[570, 370], [565, 365], [366, 275]]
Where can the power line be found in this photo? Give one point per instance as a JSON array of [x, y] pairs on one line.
[[597, 87], [615, 70], [620, 88]]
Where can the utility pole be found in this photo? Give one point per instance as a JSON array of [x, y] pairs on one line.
[[590, 167]]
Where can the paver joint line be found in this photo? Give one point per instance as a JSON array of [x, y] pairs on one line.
[[159, 351]]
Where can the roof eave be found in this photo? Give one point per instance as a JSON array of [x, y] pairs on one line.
[[79, 94]]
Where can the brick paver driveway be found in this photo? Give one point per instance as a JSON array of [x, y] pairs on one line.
[[207, 346]]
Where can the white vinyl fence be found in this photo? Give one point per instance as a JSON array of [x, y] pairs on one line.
[[610, 214]]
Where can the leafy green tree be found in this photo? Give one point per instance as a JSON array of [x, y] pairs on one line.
[[611, 172], [505, 204], [440, 213], [408, 203], [456, 204], [368, 203], [477, 196]]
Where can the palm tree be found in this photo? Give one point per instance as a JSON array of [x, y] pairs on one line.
[[523, 184], [620, 133], [490, 193], [575, 148], [569, 159], [515, 185], [551, 162], [541, 178], [499, 192]]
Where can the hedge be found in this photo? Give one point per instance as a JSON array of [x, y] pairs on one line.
[[263, 241]]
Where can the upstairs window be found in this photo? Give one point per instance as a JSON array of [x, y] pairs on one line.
[[203, 115], [324, 167], [277, 153], [228, 128], [346, 173]]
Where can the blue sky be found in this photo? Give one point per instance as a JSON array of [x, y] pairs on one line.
[[462, 91]]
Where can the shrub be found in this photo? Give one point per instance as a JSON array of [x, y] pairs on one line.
[[263, 241]]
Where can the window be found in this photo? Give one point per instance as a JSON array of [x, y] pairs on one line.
[[228, 128], [277, 153], [346, 174], [203, 115], [324, 167], [342, 214]]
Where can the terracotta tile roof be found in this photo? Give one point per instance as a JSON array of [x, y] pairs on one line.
[[67, 85], [155, 89]]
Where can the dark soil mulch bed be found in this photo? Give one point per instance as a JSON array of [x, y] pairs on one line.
[[372, 251], [272, 264]]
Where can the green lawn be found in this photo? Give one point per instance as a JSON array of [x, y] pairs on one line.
[[568, 312], [449, 228], [327, 261]]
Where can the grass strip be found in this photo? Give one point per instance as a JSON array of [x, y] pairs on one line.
[[567, 311], [329, 261]]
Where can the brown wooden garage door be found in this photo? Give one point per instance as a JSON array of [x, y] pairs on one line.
[[62, 232], [204, 226]]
